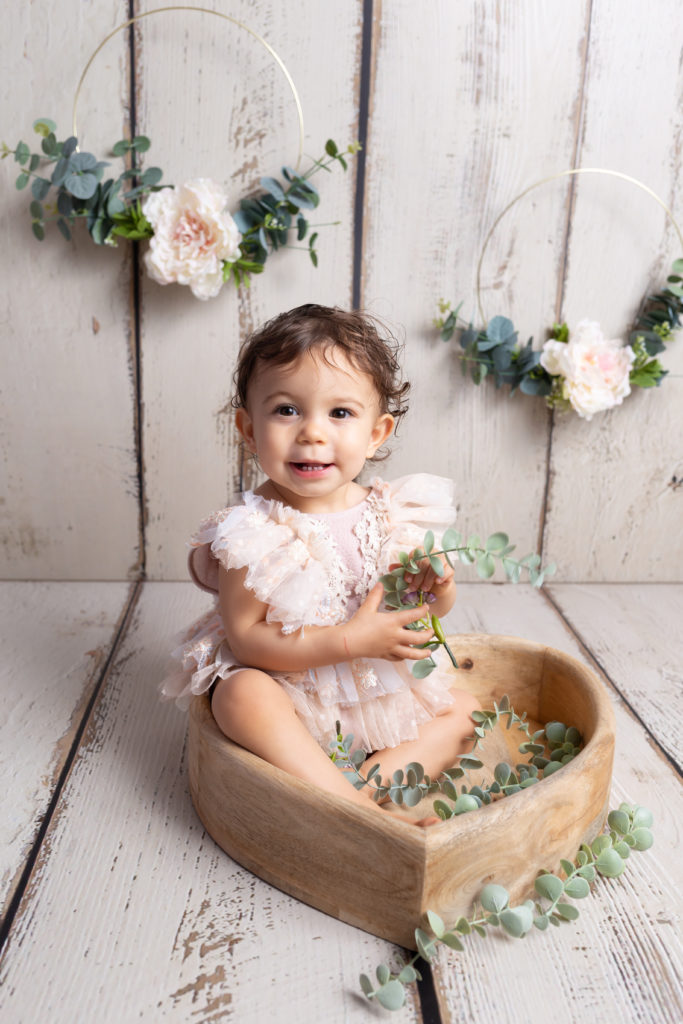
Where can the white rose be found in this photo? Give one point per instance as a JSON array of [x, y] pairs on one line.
[[193, 234], [595, 370]]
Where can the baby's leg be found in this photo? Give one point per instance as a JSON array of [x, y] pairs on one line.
[[252, 709], [439, 742]]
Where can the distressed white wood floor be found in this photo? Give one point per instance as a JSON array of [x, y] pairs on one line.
[[118, 907]]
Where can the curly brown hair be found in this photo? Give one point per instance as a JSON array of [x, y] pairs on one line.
[[290, 335]]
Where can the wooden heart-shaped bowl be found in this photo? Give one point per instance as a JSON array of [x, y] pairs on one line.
[[382, 874]]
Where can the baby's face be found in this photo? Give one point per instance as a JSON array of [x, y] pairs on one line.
[[312, 424]]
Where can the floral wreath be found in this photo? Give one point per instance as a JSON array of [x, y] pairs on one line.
[[193, 239], [582, 369]]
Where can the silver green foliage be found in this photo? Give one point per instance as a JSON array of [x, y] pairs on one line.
[[483, 555], [548, 749], [74, 183], [629, 830]]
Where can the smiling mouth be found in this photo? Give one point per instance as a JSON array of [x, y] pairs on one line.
[[311, 467]]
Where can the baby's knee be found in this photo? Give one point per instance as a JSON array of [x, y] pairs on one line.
[[465, 703], [238, 694]]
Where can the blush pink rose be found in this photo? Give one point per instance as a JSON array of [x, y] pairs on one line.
[[595, 370]]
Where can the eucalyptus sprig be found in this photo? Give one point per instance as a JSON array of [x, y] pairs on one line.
[[495, 350], [68, 184], [629, 829], [473, 551], [409, 785]]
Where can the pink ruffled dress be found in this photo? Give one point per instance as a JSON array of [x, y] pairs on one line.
[[316, 570]]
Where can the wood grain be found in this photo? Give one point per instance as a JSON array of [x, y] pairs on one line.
[[289, 833], [134, 913], [623, 958], [67, 445], [247, 129], [634, 633], [614, 507], [476, 112], [56, 639]]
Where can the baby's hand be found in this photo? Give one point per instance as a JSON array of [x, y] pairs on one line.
[[426, 579], [374, 634]]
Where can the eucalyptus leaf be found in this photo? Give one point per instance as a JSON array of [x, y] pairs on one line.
[[494, 898], [577, 887], [391, 996], [549, 886]]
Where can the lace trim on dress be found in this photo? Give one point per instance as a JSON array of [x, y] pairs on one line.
[[370, 531]]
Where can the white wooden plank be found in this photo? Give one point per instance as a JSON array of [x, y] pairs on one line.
[[468, 108], [56, 639], [134, 913], [248, 128], [634, 632], [614, 503], [623, 959], [67, 414]]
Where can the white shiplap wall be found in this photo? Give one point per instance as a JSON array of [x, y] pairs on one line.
[[469, 103]]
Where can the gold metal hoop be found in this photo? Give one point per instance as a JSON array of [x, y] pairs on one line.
[[201, 10], [554, 177]]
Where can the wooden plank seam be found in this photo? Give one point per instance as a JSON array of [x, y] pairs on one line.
[[18, 895], [595, 661]]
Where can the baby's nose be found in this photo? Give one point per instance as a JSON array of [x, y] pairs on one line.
[[312, 430]]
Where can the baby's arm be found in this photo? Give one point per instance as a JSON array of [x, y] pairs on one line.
[[260, 644]]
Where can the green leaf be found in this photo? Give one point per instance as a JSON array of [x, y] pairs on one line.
[[383, 974], [577, 887], [429, 542], [391, 996], [517, 921], [121, 147], [43, 126], [22, 181], [408, 974], [82, 162], [502, 773], [40, 188], [450, 539], [64, 228], [541, 922], [36, 210], [49, 144], [497, 542], [152, 176], [549, 886], [421, 669], [274, 187], [331, 148], [453, 942], [22, 153], [500, 329], [610, 864], [485, 566], [425, 945], [567, 911], [82, 186], [38, 231], [494, 898], [366, 985], [643, 838], [619, 821], [436, 924], [642, 817], [567, 867], [466, 803]]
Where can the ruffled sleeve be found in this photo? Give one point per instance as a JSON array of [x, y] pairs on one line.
[[415, 504], [284, 553]]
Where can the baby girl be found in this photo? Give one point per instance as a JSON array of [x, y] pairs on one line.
[[298, 638]]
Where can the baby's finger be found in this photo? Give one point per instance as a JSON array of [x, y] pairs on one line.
[[413, 653]]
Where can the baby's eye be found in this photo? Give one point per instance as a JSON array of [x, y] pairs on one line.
[[285, 410], [341, 414]]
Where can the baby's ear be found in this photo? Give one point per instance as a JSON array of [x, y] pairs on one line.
[[382, 430], [246, 428]]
